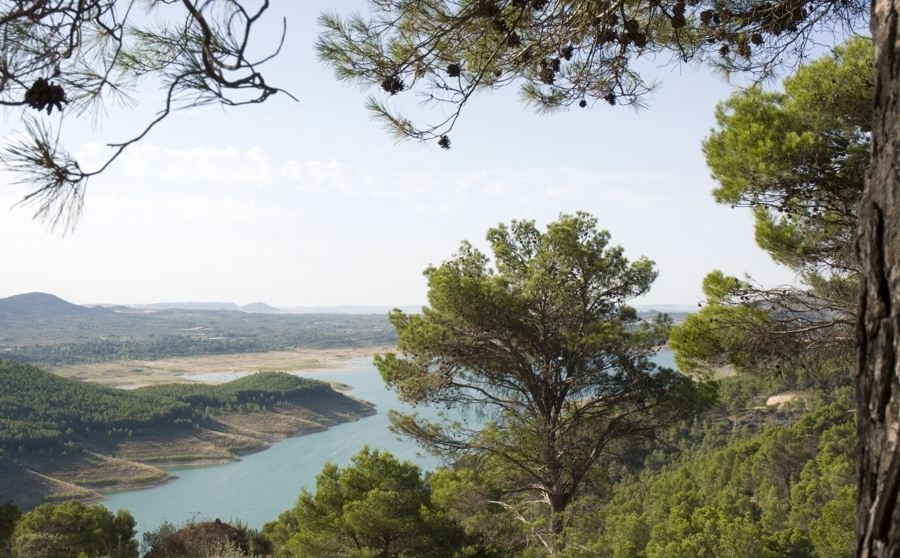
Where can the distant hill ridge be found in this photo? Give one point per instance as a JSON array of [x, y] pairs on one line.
[[48, 304], [43, 304], [38, 303], [259, 307], [187, 306]]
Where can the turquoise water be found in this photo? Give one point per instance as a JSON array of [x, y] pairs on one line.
[[260, 486]]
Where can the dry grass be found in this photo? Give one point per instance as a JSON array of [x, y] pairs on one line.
[[136, 373], [93, 471]]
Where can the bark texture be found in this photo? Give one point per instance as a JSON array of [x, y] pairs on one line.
[[878, 357]]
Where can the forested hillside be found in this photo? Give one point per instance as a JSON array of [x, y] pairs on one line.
[[788, 491], [43, 412], [63, 439]]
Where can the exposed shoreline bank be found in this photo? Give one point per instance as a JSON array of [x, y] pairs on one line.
[[91, 476], [104, 466], [202, 463]]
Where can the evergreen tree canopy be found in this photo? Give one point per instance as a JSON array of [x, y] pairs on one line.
[[540, 352], [9, 515], [73, 529], [798, 158], [562, 52], [374, 507], [788, 491], [78, 57]]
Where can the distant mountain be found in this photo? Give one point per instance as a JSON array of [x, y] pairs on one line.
[[666, 308], [38, 327], [356, 310], [254, 307], [263, 308], [49, 305], [259, 308], [43, 305], [188, 306]]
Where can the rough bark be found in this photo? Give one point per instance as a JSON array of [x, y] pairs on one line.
[[878, 356]]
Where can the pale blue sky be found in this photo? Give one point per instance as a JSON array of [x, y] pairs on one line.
[[312, 203]]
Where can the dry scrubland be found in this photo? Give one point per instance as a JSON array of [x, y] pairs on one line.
[[136, 373]]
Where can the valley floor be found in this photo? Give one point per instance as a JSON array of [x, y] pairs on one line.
[[136, 373]]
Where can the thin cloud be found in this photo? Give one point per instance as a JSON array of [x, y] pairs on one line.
[[428, 191]]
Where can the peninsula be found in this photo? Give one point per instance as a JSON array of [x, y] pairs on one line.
[[62, 438]]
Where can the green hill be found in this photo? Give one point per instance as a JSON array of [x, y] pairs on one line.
[[42, 411], [62, 438]]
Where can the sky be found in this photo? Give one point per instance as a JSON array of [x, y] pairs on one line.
[[311, 203]]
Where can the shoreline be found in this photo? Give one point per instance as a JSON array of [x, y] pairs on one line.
[[128, 487], [113, 466], [89, 493], [166, 466]]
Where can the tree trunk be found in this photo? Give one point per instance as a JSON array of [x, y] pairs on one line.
[[558, 503], [878, 353]]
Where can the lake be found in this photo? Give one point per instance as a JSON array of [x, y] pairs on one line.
[[262, 485]]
